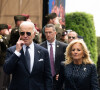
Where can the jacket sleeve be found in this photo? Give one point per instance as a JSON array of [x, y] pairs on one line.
[[94, 81], [47, 72], [61, 77], [10, 62]]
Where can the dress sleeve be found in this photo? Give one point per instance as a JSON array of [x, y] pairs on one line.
[[94, 80]]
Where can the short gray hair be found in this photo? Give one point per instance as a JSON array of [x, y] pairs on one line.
[[50, 25], [73, 32], [28, 23]]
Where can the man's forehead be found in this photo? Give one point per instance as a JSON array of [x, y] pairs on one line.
[[49, 28], [72, 34], [26, 28]]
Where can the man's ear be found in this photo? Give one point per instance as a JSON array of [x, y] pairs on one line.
[[55, 32], [34, 33]]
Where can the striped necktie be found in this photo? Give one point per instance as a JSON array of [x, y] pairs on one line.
[[52, 60]]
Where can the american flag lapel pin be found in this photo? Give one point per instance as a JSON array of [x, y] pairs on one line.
[[57, 45], [38, 51]]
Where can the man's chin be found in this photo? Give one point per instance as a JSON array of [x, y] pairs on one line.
[[48, 39], [25, 42]]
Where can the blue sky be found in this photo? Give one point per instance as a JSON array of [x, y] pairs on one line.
[[88, 6]]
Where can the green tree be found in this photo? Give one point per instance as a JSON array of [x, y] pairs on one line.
[[83, 24], [98, 45]]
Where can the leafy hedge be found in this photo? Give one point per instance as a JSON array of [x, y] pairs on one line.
[[83, 24], [98, 45]]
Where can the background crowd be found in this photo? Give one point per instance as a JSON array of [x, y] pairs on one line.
[[65, 60]]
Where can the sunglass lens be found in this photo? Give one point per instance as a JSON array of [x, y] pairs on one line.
[[73, 37], [69, 37], [28, 33], [22, 33]]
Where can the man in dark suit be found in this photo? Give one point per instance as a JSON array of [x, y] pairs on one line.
[[28, 62], [58, 51]]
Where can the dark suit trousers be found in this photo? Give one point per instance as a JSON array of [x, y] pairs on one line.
[[54, 83]]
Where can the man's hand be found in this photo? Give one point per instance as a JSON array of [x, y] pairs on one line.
[[57, 76], [19, 44]]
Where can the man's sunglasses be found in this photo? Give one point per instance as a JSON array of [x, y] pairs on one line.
[[28, 33], [71, 37]]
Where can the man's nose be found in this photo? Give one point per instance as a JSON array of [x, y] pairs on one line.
[[48, 34], [25, 35]]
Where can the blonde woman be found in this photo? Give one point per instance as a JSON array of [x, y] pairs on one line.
[[78, 72]]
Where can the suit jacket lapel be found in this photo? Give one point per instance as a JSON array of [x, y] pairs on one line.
[[57, 50], [36, 57], [45, 45]]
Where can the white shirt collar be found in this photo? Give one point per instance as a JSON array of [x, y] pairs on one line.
[[31, 46], [53, 43]]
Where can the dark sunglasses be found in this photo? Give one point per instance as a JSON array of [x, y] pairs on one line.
[[28, 33], [71, 37]]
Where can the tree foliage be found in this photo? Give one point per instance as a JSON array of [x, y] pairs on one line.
[[98, 45]]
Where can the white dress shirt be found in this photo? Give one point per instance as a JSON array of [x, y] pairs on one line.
[[31, 52]]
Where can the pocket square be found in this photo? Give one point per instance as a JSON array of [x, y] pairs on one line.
[[41, 60]]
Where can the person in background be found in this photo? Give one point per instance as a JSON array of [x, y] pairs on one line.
[[37, 38], [50, 19], [72, 35], [80, 37], [78, 72], [53, 19], [56, 51], [15, 31], [27, 17], [28, 62], [64, 37], [4, 44], [59, 28], [9, 29]]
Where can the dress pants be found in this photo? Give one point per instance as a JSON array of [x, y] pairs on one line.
[[54, 83]]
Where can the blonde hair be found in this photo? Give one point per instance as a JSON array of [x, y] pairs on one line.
[[86, 58]]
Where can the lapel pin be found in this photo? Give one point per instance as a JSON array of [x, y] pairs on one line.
[[84, 69], [57, 45], [38, 51]]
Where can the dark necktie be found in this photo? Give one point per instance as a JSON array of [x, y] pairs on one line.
[[27, 56], [52, 60]]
